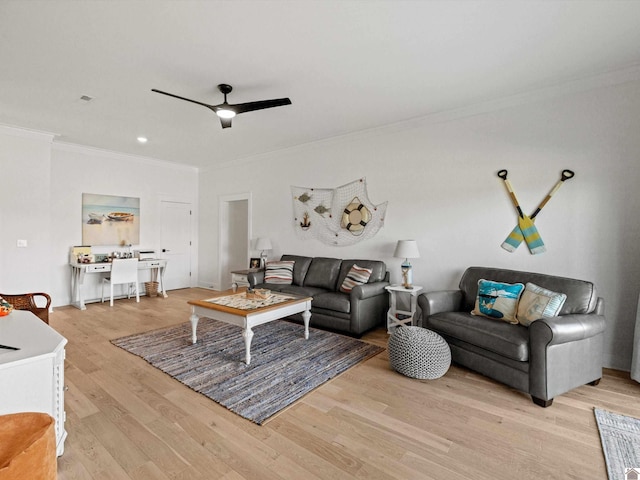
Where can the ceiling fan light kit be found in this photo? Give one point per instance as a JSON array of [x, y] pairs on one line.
[[226, 111]]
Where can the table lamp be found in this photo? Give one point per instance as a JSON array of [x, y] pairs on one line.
[[407, 249], [263, 244]]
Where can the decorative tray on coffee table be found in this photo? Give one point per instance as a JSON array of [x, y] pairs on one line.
[[258, 294]]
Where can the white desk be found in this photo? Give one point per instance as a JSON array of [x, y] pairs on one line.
[[32, 378], [79, 270]]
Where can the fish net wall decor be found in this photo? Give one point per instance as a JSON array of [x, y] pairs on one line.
[[340, 216]]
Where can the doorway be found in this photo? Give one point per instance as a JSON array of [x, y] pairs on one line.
[[235, 236]]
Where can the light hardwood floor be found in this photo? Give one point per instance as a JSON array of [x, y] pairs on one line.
[[127, 420]]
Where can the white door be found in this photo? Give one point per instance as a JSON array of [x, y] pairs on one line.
[[175, 244]]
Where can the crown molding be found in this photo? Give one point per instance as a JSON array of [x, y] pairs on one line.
[[27, 133], [115, 155]]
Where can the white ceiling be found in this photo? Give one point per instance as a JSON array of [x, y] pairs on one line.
[[347, 65]]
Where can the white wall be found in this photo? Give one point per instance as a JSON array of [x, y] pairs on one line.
[[439, 176], [76, 170], [24, 210], [41, 202]]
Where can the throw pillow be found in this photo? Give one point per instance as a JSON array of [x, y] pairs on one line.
[[356, 276], [279, 272], [498, 300], [538, 302]]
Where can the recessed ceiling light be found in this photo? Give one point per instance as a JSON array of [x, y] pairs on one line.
[[142, 139]]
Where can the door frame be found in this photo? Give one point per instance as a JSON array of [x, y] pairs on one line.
[[193, 250], [223, 225]]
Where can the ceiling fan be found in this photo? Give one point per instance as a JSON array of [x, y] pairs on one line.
[[226, 111]]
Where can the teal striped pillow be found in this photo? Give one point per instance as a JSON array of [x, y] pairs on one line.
[[279, 272], [537, 302], [356, 276]]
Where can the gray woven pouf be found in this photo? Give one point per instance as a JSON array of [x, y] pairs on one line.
[[419, 353]]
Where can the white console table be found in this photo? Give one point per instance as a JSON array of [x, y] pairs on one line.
[[32, 378], [80, 270]]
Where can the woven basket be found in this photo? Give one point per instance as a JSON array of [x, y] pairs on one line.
[[151, 289]]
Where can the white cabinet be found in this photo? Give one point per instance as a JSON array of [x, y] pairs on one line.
[[32, 378]]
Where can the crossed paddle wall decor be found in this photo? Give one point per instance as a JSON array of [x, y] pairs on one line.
[[526, 229]]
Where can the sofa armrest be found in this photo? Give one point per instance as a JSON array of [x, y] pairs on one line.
[[369, 305], [564, 353], [440, 301], [255, 278], [567, 328], [368, 290]]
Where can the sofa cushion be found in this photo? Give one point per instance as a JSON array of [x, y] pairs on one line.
[[357, 276], [498, 300], [300, 268], [302, 291], [537, 302], [581, 295], [378, 269], [279, 272], [338, 302], [511, 341], [323, 273]]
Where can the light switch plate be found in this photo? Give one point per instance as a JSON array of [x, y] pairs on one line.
[[21, 244]]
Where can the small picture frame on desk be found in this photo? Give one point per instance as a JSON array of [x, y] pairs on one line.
[[254, 263]]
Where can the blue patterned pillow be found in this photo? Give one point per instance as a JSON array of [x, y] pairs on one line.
[[537, 302], [498, 300]]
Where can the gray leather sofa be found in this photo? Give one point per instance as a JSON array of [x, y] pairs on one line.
[[320, 278], [550, 357]]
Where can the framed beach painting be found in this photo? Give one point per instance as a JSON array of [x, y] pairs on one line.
[[110, 220]]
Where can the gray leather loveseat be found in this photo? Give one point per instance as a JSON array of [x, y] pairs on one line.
[[354, 313], [548, 358]]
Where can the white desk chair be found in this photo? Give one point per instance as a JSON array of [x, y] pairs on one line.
[[123, 271]]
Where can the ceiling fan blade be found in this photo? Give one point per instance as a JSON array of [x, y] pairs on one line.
[[259, 105], [182, 98], [225, 122]]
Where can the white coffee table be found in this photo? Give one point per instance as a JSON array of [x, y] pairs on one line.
[[230, 308]]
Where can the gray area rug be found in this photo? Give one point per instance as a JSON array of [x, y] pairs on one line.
[[284, 367], [620, 437]]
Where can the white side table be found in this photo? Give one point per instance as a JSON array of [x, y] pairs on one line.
[[239, 277], [396, 317]]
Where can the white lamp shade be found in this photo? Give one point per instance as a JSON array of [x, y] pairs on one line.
[[263, 243], [407, 249]]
